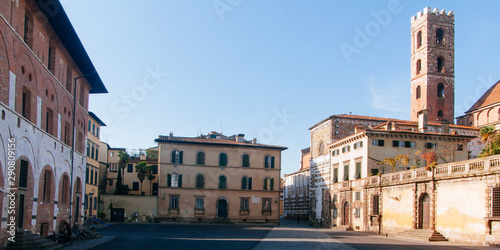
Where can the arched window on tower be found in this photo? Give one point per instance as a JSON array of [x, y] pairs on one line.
[[419, 92], [419, 66], [440, 90], [439, 36], [419, 39], [440, 113], [440, 65]]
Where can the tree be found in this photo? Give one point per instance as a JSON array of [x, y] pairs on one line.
[[431, 159], [122, 163], [141, 170], [389, 161], [151, 176], [488, 134]]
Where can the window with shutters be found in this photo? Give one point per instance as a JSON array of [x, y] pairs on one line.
[[358, 144], [200, 181], [346, 149], [174, 180], [174, 202], [336, 174], [223, 160], [269, 161], [379, 143], [268, 183], [357, 175], [176, 157], [335, 152], [346, 172], [222, 182], [430, 145], [246, 183], [199, 203], [130, 168], [135, 186], [266, 204], [358, 196], [245, 161], [357, 213], [200, 158]]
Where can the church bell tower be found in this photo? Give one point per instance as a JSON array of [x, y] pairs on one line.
[[433, 65]]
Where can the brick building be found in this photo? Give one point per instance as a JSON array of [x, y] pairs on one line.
[[40, 58]]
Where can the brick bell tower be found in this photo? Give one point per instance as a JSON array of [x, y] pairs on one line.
[[433, 65]]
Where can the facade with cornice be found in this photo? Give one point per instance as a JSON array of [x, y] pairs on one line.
[[218, 178]]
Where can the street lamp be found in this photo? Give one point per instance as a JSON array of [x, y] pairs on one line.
[[73, 147]]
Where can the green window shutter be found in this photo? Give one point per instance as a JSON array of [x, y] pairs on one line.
[[179, 181], [358, 169], [272, 184], [243, 183], [272, 162], [265, 183], [335, 175], [173, 156], [169, 180], [250, 183], [180, 157]]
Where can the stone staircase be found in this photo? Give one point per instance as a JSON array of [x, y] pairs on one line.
[[29, 240], [421, 234]]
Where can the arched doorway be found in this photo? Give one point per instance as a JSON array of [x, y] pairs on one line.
[[346, 213], [222, 208], [424, 206]]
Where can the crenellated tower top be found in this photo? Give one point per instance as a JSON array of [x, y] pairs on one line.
[[435, 11]]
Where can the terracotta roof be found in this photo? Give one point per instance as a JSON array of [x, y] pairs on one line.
[[213, 141], [359, 117], [489, 97]]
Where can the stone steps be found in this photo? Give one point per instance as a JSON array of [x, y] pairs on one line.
[[421, 234], [28, 240]]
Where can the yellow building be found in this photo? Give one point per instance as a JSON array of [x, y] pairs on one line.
[[92, 169], [216, 177], [148, 187]]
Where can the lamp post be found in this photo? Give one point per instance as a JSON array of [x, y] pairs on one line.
[[73, 147]]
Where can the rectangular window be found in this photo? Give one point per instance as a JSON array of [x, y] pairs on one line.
[[375, 205], [86, 206], [95, 177], [358, 213], [130, 168], [266, 204], [23, 174], [430, 145], [358, 170], [90, 123], [374, 171], [69, 83], [135, 186], [26, 105], [97, 132], [93, 129], [404, 144], [92, 152], [346, 172], [199, 203], [88, 149], [174, 202], [335, 152], [358, 144], [335, 175], [87, 173], [95, 202], [244, 204], [495, 202], [358, 196], [460, 147], [52, 59], [346, 149], [49, 121], [91, 176], [379, 143], [46, 186]]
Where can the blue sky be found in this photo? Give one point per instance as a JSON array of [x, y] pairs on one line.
[[266, 68]]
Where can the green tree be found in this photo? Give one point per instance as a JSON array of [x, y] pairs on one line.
[[151, 176], [124, 158], [141, 168], [488, 134]]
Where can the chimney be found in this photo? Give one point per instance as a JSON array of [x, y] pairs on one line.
[[422, 120], [358, 128], [446, 126], [254, 141], [240, 138]]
